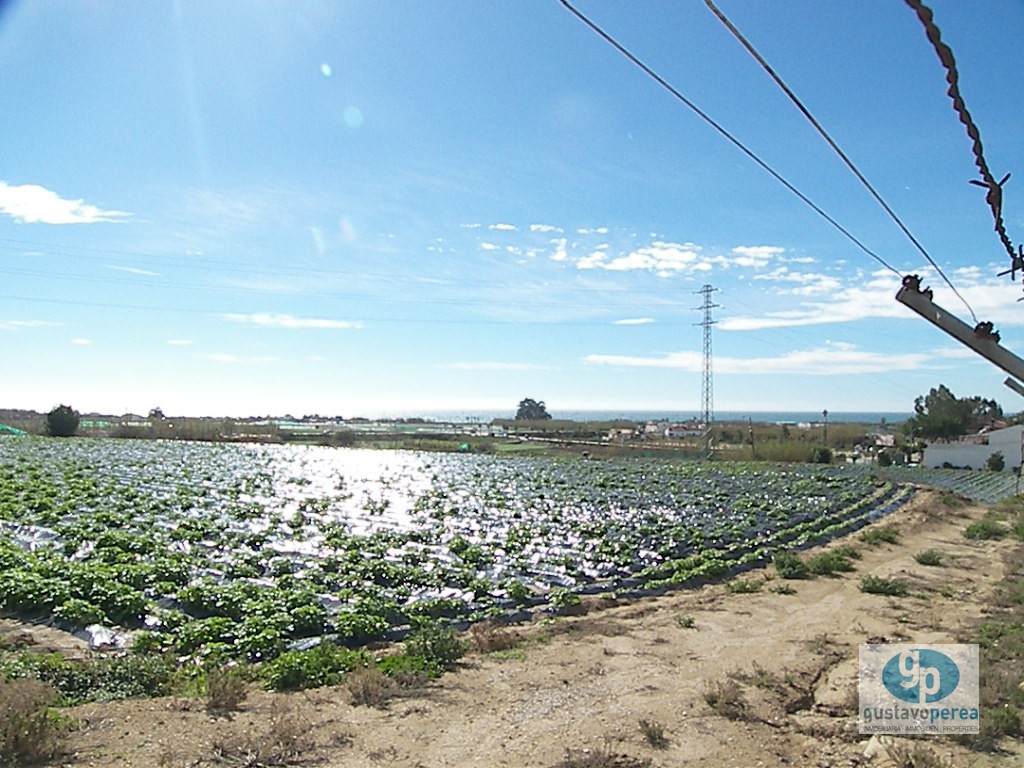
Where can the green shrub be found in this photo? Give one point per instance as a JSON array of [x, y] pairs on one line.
[[78, 613], [822, 456], [103, 679], [995, 462], [888, 534], [438, 645], [986, 528], [930, 557], [829, 563], [877, 585], [323, 665], [744, 586], [789, 565]]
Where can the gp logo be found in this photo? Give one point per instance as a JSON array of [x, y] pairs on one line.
[[921, 676]]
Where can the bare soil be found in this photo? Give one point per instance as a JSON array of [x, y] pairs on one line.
[[783, 668]]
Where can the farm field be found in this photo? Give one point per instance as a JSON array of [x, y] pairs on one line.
[[248, 551]]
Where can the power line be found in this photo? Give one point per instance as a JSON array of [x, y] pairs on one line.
[[835, 147], [725, 133]]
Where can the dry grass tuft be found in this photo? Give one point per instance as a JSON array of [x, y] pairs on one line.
[[369, 687], [286, 742], [30, 732], [226, 689], [488, 637], [654, 733], [602, 757], [726, 698]]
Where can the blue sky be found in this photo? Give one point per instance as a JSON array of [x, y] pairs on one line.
[[357, 207]]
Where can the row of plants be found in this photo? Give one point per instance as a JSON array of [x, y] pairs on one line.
[[250, 552]]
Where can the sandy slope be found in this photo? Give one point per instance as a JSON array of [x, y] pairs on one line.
[[585, 682]]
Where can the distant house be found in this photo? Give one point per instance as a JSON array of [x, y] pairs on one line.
[[687, 429], [620, 435], [974, 451]]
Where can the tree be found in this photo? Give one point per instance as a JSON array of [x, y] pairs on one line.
[[62, 421], [995, 462], [532, 410], [942, 415]]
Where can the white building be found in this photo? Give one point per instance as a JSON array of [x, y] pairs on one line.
[[974, 451]]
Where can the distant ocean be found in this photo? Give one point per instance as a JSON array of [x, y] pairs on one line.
[[771, 417]]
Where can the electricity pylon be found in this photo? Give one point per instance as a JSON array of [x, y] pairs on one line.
[[707, 386]]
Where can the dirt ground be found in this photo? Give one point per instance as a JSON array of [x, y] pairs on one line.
[[586, 682]]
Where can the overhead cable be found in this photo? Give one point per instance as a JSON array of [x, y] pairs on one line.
[[725, 133], [836, 148]]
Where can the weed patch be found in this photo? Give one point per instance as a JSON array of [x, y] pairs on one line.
[[829, 563], [744, 586], [438, 645], [726, 698], [878, 585], [930, 557], [915, 756], [789, 565], [686, 621], [883, 534], [323, 665], [986, 528], [601, 757], [654, 733]]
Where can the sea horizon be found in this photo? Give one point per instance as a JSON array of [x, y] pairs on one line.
[[771, 417]]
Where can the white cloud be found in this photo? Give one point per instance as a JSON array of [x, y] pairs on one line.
[[560, 254], [871, 298], [133, 270], [81, 342], [839, 359], [809, 283], [504, 227], [32, 204], [544, 228], [755, 255], [275, 320], [662, 258], [490, 366], [489, 247], [179, 342], [470, 226], [18, 325], [634, 321], [596, 259]]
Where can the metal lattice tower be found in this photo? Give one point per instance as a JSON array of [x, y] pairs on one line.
[[707, 387]]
